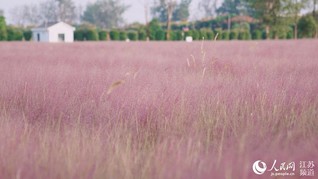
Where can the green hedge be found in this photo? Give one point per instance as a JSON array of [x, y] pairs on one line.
[[27, 34], [257, 35], [79, 35], [203, 34], [244, 35], [122, 35], [102, 35], [142, 35], [89, 34], [187, 33], [172, 35], [210, 35], [132, 35], [206, 33], [114, 35], [92, 35], [196, 35], [307, 27], [3, 29], [234, 35], [178, 35], [155, 29], [290, 34], [160, 35], [14, 34], [225, 35]]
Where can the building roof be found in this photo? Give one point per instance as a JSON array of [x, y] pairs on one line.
[[48, 25]]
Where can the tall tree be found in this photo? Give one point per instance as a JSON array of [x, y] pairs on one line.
[[145, 4], [182, 11], [268, 11], [313, 4], [48, 11], [292, 9], [208, 7], [163, 10], [66, 10], [58, 10], [170, 7], [105, 13], [25, 15], [230, 7], [307, 27], [3, 29], [159, 10]]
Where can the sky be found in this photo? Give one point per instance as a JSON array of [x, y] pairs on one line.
[[134, 14]]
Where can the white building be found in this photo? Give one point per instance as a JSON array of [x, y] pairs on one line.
[[53, 32]]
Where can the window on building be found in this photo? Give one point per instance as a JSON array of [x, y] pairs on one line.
[[61, 37], [38, 37]]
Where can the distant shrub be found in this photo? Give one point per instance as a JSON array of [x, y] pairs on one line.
[[122, 35], [196, 35], [79, 34], [27, 34], [86, 33], [207, 33], [306, 27], [203, 34], [154, 29], [290, 34], [142, 35], [188, 33], [225, 35], [244, 35], [264, 35], [241, 36], [3, 29], [172, 35], [160, 35], [14, 34], [234, 35], [257, 35], [114, 35], [248, 35], [245, 27], [102, 35], [235, 26], [178, 35], [132, 35], [210, 35], [279, 32], [283, 35], [91, 34]]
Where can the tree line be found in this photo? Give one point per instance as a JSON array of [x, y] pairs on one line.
[[103, 19]]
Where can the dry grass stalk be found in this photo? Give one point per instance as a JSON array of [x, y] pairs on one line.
[[216, 36], [114, 86]]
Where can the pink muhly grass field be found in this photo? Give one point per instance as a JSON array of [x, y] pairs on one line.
[[156, 110]]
